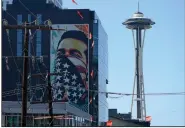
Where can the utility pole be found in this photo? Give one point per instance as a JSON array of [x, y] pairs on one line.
[[50, 101], [49, 88], [50, 104], [24, 79], [25, 69]]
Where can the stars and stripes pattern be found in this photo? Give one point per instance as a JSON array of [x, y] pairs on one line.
[[68, 85]]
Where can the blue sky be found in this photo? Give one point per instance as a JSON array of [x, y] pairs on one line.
[[163, 55]]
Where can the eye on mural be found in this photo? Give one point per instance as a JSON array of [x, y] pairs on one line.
[[69, 59]]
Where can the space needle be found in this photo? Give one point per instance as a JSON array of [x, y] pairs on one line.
[[139, 24]]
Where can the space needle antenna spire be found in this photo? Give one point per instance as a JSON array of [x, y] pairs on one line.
[[138, 6], [138, 24]]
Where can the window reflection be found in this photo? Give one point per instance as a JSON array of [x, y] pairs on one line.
[[19, 36]]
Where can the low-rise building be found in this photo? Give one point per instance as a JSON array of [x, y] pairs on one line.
[[37, 115], [120, 119]]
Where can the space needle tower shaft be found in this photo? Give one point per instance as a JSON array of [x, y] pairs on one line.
[[138, 24]]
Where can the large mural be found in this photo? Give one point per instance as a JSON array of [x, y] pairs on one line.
[[69, 60]]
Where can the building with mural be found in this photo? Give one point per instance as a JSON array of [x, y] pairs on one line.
[[77, 55]]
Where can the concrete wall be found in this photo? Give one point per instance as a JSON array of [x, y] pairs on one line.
[[2, 120]]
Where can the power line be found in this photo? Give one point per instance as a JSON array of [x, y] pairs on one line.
[[34, 53], [9, 41], [27, 9], [32, 37], [35, 21], [24, 56], [7, 31], [111, 93], [24, 89], [12, 26], [11, 16], [16, 19], [25, 70]]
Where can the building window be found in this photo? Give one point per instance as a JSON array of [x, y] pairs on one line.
[[95, 21], [29, 20], [39, 36], [19, 36], [19, 52]]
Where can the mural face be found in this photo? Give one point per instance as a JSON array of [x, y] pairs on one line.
[[69, 60]]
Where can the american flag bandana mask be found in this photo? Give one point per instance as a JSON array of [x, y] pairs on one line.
[[69, 86]]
